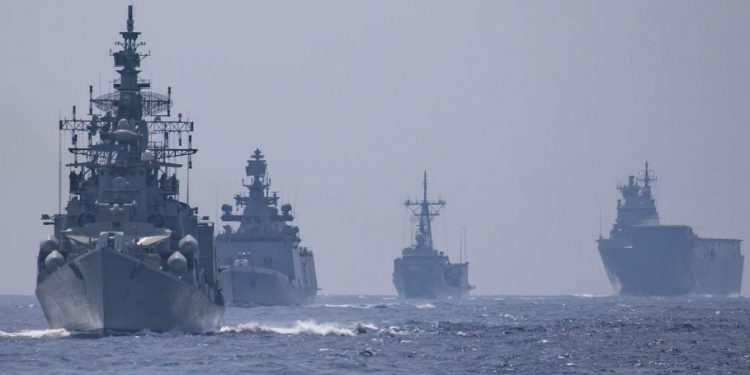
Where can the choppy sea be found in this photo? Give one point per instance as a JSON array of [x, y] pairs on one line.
[[383, 334]]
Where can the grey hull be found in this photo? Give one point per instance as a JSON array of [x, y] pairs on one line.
[[259, 286], [424, 280], [670, 261], [105, 291]]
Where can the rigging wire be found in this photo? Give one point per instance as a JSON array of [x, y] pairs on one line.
[[445, 231], [404, 227]]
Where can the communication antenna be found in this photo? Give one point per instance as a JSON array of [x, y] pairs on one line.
[[466, 247], [296, 212], [460, 244], [404, 239], [216, 205], [294, 204], [189, 167], [445, 232], [59, 167]]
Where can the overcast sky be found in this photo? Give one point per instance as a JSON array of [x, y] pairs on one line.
[[525, 114]]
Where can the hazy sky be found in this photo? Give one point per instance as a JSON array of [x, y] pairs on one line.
[[526, 114]]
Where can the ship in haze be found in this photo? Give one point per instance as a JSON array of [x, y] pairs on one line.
[[127, 255], [261, 261], [644, 258], [422, 271]]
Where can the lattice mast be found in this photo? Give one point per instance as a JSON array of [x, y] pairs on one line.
[[424, 210], [130, 123]]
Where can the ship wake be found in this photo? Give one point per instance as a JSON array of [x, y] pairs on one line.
[[36, 334], [301, 327]]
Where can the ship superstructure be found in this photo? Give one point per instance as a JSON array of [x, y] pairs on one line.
[[127, 255], [422, 271], [643, 257], [262, 262]]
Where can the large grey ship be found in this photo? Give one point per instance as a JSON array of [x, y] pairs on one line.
[[422, 271], [262, 262], [127, 255], [644, 258]]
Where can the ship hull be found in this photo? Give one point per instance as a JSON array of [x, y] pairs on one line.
[[425, 278], [259, 286], [672, 261], [106, 292]]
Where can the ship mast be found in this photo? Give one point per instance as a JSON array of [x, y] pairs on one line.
[[133, 119], [647, 178], [425, 211]]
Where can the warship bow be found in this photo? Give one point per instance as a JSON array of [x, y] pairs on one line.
[[126, 254]]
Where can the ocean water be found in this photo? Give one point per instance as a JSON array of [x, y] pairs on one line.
[[382, 334]]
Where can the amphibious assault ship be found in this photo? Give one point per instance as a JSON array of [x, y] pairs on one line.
[[262, 262], [422, 271], [127, 255], [645, 258]]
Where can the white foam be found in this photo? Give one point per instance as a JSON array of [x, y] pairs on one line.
[[585, 295], [396, 330], [509, 316], [347, 306], [309, 327], [367, 326], [36, 333], [360, 306], [425, 306]]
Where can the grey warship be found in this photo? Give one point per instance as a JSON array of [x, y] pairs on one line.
[[422, 271], [644, 258], [126, 254], [261, 261]]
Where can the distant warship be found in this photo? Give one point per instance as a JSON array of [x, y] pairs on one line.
[[422, 271], [261, 260], [127, 255], [645, 258]]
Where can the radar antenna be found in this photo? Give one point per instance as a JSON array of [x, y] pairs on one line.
[[132, 127]]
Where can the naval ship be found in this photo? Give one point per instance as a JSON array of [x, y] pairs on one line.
[[261, 261], [127, 255], [645, 258], [422, 271]]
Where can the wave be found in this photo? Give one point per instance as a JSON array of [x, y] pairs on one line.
[[399, 331], [36, 333], [362, 306], [309, 327], [347, 306], [358, 305], [425, 306]]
